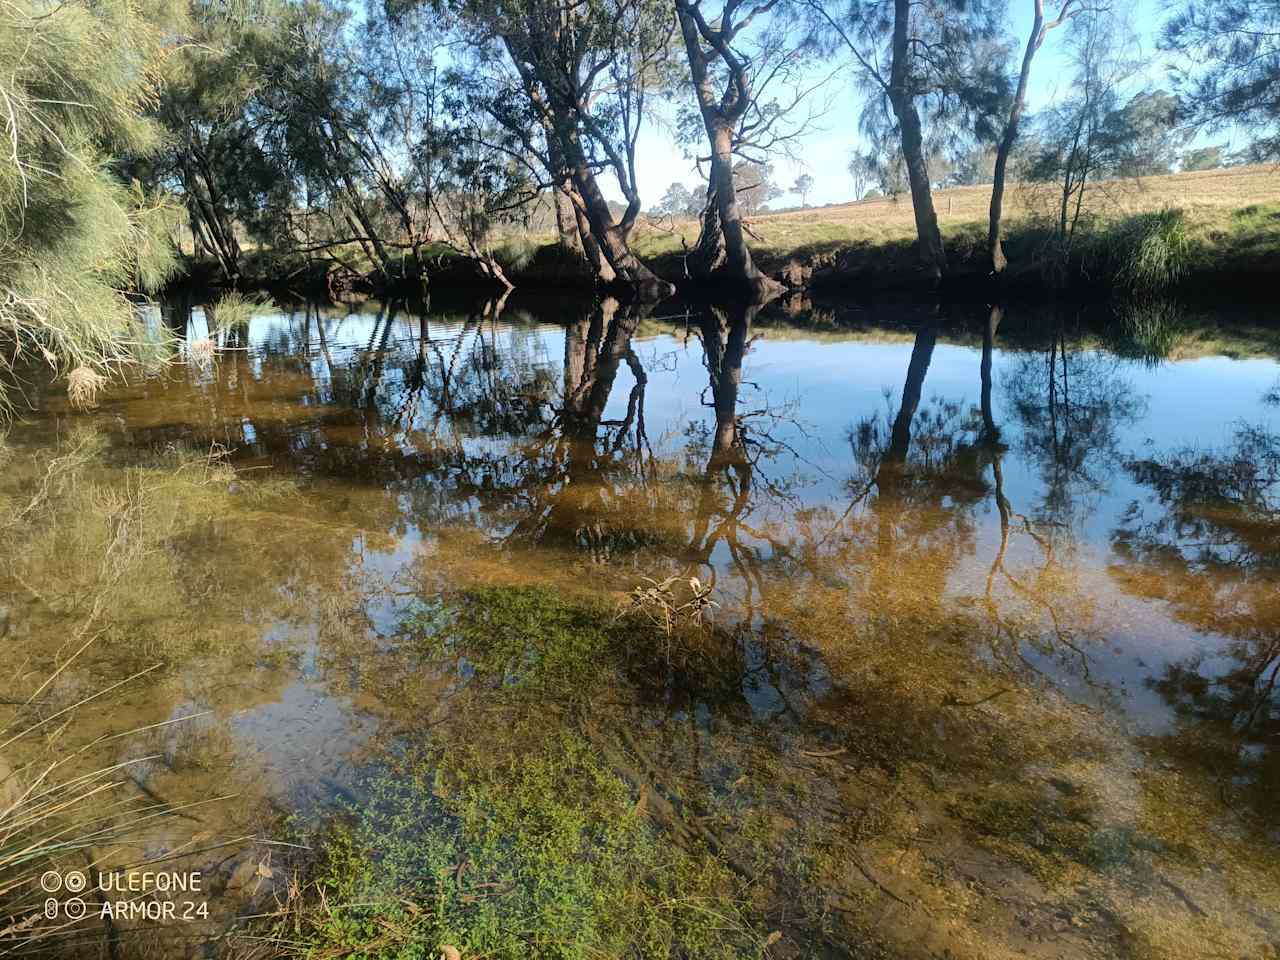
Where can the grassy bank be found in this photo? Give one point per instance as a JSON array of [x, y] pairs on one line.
[[1226, 224], [1230, 221]]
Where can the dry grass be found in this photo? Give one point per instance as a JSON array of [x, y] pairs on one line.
[[83, 386], [1207, 197], [1229, 188]]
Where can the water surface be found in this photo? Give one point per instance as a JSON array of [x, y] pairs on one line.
[[1015, 492]]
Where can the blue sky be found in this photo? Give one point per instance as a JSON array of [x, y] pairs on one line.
[[824, 152]]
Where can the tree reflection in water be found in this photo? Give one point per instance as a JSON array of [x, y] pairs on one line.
[[891, 606], [1207, 543]]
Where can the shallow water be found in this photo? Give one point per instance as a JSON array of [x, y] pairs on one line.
[[1105, 526]]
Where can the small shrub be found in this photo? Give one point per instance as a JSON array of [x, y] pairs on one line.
[[516, 252]]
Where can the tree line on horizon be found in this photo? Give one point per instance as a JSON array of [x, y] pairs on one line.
[[408, 128]]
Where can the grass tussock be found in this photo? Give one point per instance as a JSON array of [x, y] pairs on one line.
[[232, 310], [1147, 252]]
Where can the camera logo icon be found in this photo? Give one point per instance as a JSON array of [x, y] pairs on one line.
[[51, 881]]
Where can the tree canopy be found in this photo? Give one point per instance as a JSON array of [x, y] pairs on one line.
[[74, 237], [1227, 71]]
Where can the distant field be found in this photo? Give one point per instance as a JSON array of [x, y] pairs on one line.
[[1208, 198], [1228, 187]]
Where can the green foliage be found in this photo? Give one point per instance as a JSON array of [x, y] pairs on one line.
[[1226, 67], [1092, 136], [232, 310], [520, 635], [78, 79], [679, 201], [1153, 250], [1203, 158], [516, 253], [753, 183], [862, 170], [1144, 135], [803, 186], [544, 853]]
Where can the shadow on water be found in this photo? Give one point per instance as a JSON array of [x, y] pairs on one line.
[[994, 605]]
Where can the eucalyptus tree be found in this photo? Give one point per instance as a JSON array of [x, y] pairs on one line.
[[1203, 158], [77, 80], [678, 201], [511, 111], [215, 159], [928, 64], [572, 82], [1067, 11], [1084, 136], [803, 186], [727, 77], [329, 118], [862, 170], [1227, 70]]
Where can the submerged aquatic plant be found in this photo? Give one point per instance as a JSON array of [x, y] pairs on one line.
[[517, 636], [540, 851]]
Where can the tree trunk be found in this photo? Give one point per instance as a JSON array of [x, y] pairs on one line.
[[607, 233], [356, 205], [1007, 139], [566, 220], [719, 118], [561, 114], [709, 254], [492, 269], [932, 253], [590, 248], [222, 232], [214, 232], [739, 266], [921, 355], [724, 342], [567, 229]]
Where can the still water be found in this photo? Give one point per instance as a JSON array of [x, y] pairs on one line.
[[946, 547]]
